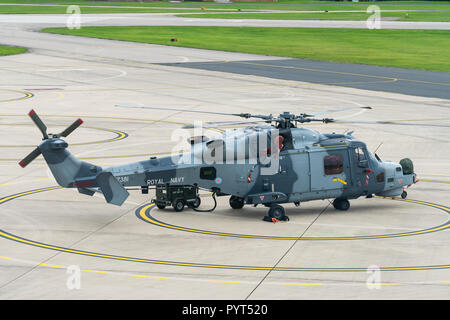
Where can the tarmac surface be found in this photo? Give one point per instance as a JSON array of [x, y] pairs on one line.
[[411, 82], [170, 19], [140, 252]]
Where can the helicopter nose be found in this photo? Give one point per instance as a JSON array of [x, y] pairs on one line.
[[407, 166]]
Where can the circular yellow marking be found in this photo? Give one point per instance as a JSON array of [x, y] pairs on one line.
[[26, 95], [143, 214], [187, 264], [120, 136]]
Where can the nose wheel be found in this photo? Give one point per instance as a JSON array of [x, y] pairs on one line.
[[276, 213]]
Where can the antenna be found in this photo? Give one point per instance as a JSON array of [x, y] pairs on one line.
[[378, 147]]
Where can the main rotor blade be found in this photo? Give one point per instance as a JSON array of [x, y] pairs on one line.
[[71, 128], [391, 123], [33, 115], [224, 124], [174, 109], [33, 155], [314, 114]]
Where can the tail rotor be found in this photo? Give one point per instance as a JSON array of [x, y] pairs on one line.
[[43, 128]]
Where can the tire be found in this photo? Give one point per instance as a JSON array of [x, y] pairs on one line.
[[161, 206], [236, 202], [276, 211], [404, 195], [195, 204], [178, 205], [341, 204]]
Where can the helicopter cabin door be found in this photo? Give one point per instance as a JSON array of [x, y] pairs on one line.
[[330, 170]]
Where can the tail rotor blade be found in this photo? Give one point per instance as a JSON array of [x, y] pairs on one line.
[[71, 128], [33, 115], [33, 155]]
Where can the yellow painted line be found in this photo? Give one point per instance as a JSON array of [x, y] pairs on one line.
[[438, 181], [149, 277], [189, 264], [344, 73], [384, 284], [120, 136], [26, 94], [223, 281], [5, 258], [302, 284], [435, 175], [6, 184], [337, 145], [445, 281], [95, 271], [50, 265], [162, 224], [27, 193]]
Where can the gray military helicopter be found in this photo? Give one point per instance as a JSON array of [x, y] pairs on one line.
[[309, 166]]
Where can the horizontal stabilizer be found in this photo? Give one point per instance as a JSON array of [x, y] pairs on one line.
[[85, 191], [113, 191]]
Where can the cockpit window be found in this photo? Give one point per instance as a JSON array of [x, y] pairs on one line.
[[360, 154], [333, 164]]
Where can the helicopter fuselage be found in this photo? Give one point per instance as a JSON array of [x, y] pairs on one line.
[[310, 166]]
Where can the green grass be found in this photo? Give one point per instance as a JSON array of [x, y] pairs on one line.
[[6, 51], [401, 16], [415, 49]]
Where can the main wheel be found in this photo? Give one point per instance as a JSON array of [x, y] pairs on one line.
[[195, 204], [276, 211], [341, 204], [236, 202], [404, 195], [178, 205]]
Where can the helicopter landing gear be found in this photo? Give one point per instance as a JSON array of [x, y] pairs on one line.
[[404, 194], [341, 204], [276, 213], [236, 202]]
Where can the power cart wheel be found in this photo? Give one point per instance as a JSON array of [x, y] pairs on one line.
[[276, 211], [341, 204], [236, 202], [161, 206], [178, 205], [195, 204]]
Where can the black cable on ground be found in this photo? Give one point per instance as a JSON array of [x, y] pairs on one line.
[[209, 210]]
